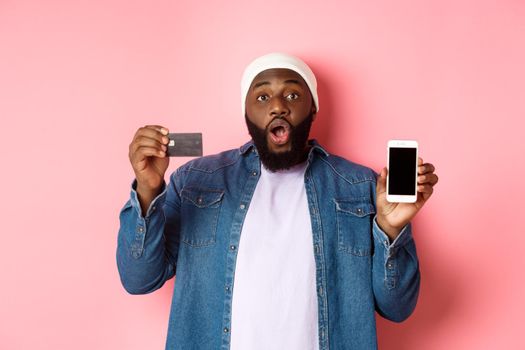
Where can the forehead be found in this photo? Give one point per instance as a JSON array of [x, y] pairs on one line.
[[278, 75]]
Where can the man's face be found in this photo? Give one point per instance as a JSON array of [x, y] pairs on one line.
[[279, 113]]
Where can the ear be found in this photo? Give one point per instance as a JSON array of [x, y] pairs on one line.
[[314, 112]]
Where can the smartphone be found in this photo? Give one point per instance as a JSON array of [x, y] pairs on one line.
[[401, 181], [184, 144]]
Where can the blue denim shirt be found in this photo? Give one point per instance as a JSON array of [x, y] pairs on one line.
[[192, 229]]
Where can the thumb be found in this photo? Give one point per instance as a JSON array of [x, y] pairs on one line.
[[381, 181]]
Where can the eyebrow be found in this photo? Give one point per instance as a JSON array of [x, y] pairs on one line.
[[288, 81]]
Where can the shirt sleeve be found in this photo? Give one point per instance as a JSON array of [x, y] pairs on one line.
[[396, 276], [147, 246]]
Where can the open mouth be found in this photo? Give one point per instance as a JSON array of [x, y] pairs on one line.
[[279, 131]]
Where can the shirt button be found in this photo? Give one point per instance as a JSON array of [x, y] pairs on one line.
[[140, 229], [227, 288], [254, 173], [242, 206], [359, 210], [226, 330], [199, 200], [232, 247], [390, 265]]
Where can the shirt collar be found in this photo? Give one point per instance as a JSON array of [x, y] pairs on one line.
[[246, 147]]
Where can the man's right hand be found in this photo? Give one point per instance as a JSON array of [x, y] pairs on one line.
[[147, 154]]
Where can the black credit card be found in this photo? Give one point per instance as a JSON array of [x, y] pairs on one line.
[[185, 144]]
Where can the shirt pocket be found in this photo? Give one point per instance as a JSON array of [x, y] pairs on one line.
[[354, 225], [200, 210]]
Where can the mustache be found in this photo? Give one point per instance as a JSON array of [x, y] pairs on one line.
[[286, 159]]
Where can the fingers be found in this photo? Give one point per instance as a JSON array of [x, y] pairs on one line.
[[425, 168], [143, 141], [425, 189], [159, 128], [428, 178], [381, 181], [156, 132], [145, 151], [142, 152], [150, 140]]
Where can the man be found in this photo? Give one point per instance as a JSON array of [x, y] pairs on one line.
[[277, 244]]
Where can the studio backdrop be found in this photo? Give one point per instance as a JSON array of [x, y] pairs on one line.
[[78, 78]]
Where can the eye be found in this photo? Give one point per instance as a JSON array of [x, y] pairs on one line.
[[262, 98], [292, 96]]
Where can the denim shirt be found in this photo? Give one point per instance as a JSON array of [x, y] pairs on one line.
[[192, 230]]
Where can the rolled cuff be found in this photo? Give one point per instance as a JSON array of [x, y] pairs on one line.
[[403, 238], [158, 200]]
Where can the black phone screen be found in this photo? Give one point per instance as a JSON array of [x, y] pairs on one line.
[[402, 171]]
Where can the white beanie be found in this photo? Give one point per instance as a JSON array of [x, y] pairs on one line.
[[277, 60]]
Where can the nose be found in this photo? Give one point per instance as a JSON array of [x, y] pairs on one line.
[[278, 107]]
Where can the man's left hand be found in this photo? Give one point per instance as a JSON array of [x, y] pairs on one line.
[[392, 217]]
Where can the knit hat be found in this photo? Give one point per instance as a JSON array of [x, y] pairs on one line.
[[277, 60]]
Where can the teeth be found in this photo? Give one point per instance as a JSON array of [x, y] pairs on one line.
[[280, 129]]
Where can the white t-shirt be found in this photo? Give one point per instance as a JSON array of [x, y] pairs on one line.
[[274, 303]]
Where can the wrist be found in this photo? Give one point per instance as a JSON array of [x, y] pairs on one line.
[[146, 191], [391, 231], [146, 195]]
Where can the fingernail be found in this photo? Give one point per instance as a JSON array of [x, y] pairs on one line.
[[164, 131]]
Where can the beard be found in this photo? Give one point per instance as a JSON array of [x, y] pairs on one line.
[[275, 161]]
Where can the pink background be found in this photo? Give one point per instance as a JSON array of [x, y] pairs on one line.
[[77, 78]]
